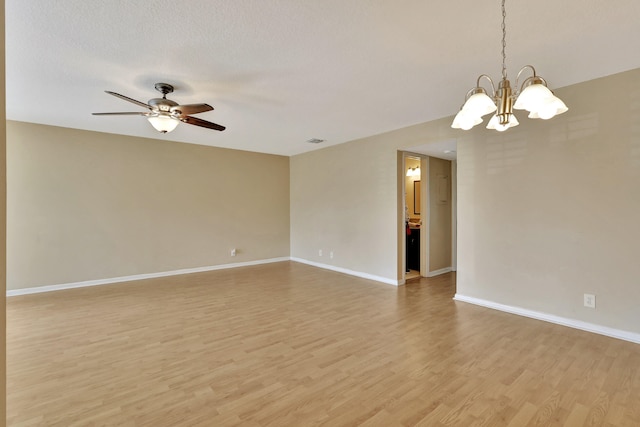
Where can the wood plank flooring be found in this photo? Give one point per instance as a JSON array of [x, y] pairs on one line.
[[291, 345]]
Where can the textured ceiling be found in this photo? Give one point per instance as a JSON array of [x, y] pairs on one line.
[[280, 72]]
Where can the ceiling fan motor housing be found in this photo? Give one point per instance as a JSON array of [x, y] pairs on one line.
[[162, 104]]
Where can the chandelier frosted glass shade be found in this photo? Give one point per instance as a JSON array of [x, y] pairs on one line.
[[465, 120], [540, 102], [476, 106], [495, 124], [532, 96], [479, 104], [163, 123]]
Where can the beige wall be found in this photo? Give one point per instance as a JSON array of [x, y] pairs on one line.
[[439, 214], [546, 211], [348, 198], [86, 205], [550, 210], [3, 217], [344, 199]]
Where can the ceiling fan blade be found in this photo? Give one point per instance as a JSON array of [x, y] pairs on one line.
[[126, 98], [202, 123], [185, 110], [140, 113]]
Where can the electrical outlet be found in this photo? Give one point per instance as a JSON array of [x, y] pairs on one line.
[[331, 254], [320, 252], [590, 300], [233, 252]]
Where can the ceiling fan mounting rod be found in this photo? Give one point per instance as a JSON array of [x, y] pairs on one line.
[[164, 88]]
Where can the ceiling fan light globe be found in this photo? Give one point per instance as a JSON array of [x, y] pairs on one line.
[[163, 123]]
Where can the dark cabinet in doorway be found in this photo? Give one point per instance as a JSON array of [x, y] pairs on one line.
[[413, 249]]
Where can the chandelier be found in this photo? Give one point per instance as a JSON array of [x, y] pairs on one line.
[[532, 95]]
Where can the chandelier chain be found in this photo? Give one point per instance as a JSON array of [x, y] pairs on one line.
[[504, 42]]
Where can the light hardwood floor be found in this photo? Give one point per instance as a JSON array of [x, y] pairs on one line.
[[291, 345]]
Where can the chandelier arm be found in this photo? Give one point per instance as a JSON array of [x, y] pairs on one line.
[[543, 80], [469, 93], [531, 80], [526, 67], [493, 87]]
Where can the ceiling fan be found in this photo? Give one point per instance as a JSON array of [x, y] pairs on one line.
[[165, 114]]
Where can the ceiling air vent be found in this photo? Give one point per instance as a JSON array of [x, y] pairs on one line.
[[315, 141]]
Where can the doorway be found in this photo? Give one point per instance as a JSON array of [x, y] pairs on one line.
[[414, 214], [428, 187]]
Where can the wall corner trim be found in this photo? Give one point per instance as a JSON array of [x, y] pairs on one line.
[[349, 272], [50, 288], [564, 321]]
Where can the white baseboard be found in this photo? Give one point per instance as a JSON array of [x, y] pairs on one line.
[[439, 272], [350, 272], [572, 323], [49, 288]]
